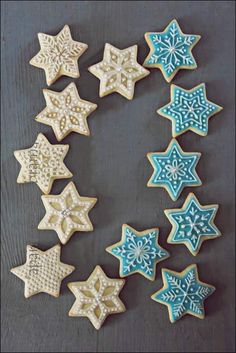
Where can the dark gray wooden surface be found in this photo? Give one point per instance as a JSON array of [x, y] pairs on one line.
[[111, 165]]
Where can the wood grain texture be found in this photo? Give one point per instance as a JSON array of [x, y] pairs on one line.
[[112, 165]]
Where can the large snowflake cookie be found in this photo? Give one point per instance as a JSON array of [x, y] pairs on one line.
[[43, 271], [138, 252], [42, 163], [58, 55], [118, 71], [174, 169], [67, 213], [189, 110], [192, 224], [183, 293], [97, 297], [171, 50]]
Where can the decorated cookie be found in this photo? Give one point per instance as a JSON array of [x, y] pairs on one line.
[[43, 271], [189, 110], [66, 112], [42, 163], [138, 252], [174, 169], [118, 71], [97, 297], [171, 50], [183, 293], [58, 55], [67, 213], [192, 224]]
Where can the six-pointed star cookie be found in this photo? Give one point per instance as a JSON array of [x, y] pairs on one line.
[[43, 271], [58, 55], [174, 169], [97, 297], [66, 112], [189, 110], [42, 163], [67, 213], [183, 293], [118, 71], [138, 252], [171, 50], [192, 224]]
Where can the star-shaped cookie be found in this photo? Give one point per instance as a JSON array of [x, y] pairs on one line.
[[97, 297], [171, 50], [66, 112], [183, 293], [189, 110], [42, 163], [138, 252], [67, 213], [174, 169], [58, 55], [118, 71], [192, 224], [43, 271]]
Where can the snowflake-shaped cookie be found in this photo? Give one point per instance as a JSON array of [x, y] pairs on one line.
[[67, 213], [138, 252], [118, 71], [58, 55], [189, 110], [42, 163], [183, 293], [97, 297], [171, 50], [174, 169], [192, 224], [43, 271], [66, 112]]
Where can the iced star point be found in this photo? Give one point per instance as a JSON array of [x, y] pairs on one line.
[[138, 252], [97, 297], [118, 71], [183, 293]]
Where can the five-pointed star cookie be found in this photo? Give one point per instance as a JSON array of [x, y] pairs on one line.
[[42, 163], [67, 213], [171, 50], [174, 169], [183, 293], [118, 71], [58, 55], [189, 110], [66, 112], [43, 271], [97, 297], [138, 252], [192, 224]]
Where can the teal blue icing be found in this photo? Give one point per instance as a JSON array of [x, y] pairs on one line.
[[139, 253], [184, 294], [172, 49], [175, 170]]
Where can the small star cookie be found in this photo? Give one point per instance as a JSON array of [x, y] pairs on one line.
[[42, 163], [138, 252], [192, 224], [183, 293], [171, 50], [66, 112], [189, 110], [67, 213], [58, 55], [43, 271], [118, 71], [174, 169], [97, 297]]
